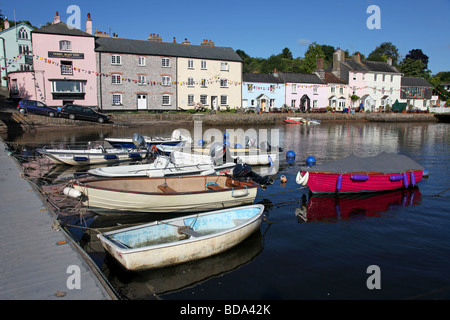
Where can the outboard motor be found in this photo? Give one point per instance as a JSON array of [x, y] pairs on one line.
[[243, 171], [139, 141]]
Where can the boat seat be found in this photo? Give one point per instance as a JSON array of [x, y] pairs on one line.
[[165, 188], [213, 186], [188, 231]]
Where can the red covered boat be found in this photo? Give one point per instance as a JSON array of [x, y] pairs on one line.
[[386, 171]]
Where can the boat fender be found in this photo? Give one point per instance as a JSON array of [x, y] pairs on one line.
[[305, 179], [283, 179], [360, 177], [208, 172], [155, 173], [339, 183], [425, 173], [396, 177], [72, 193], [405, 180], [299, 178], [412, 177]]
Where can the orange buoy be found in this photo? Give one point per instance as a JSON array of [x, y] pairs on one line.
[[283, 179]]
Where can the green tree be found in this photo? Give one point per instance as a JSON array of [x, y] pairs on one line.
[[417, 54], [309, 63], [383, 52], [414, 68]]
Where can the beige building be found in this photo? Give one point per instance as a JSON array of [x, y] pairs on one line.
[[210, 78]]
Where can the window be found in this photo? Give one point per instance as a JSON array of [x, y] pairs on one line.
[[141, 79], [116, 59], [116, 79], [392, 78], [272, 103], [190, 82], [314, 103], [374, 90], [249, 88], [315, 90], [204, 99], [364, 76], [341, 90], [165, 62], [66, 67], [375, 77], [224, 66], [116, 99], [223, 100], [203, 64], [67, 87], [272, 88], [223, 83], [23, 34], [166, 100], [141, 61], [203, 83], [65, 45], [333, 89], [166, 81], [190, 99], [354, 76], [382, 90], [293, 103], [294, 88], [23, 49], [190, 64], [384, 77]]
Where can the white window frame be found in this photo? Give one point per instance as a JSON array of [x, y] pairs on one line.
[[66, 67], [315, 88], [118, 98], [223, 83], [204, 99], [203, 65], [141, 61], [165, 62], [116, 59], [190, 99], [203, 83], [224, 100], [165, 100], [116, 79], [65, 45], [190, 82], [166, 81], [294, 88], [141, 79], [224, 66], [190, 64], [23, 34], [293, 101]]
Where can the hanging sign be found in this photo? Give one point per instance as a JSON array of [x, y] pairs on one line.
[[65, 55]]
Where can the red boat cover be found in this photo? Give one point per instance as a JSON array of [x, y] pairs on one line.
[[383, 163]]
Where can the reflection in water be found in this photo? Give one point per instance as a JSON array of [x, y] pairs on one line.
[[333, 207]]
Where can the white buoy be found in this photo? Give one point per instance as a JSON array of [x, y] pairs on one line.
[[72, 193]]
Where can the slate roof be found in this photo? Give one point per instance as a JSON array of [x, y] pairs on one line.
[[300, 78], [331, 78], [365, 66], [62, 28], [414, 82], [144, 47], [261, 77]]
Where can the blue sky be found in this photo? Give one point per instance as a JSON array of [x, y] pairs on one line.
[[262, 27]]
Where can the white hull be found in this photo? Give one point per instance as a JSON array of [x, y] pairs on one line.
[[154, 170], [189, 194], [213, 232], [91, 156]]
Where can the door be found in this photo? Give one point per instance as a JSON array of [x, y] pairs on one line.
[[142, 101], [213, 102]]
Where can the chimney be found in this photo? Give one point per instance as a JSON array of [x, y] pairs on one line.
[[89, 24], [6, 23], [389, 61], [154, 38], [207, 43], [357, 57], [186, 41], [57, 18], [337, 63], [319, 69]]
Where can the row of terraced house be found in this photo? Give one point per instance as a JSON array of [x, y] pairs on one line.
[[58, 64]]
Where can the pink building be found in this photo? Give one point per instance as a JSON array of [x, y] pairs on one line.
[[64, 67], [304, 92]]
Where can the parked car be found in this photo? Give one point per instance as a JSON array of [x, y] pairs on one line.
[[73, 112], [36, 107]]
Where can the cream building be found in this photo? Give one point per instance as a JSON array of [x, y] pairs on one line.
[[209, 77]]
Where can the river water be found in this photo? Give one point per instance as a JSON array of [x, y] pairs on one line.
[[308, 247]]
